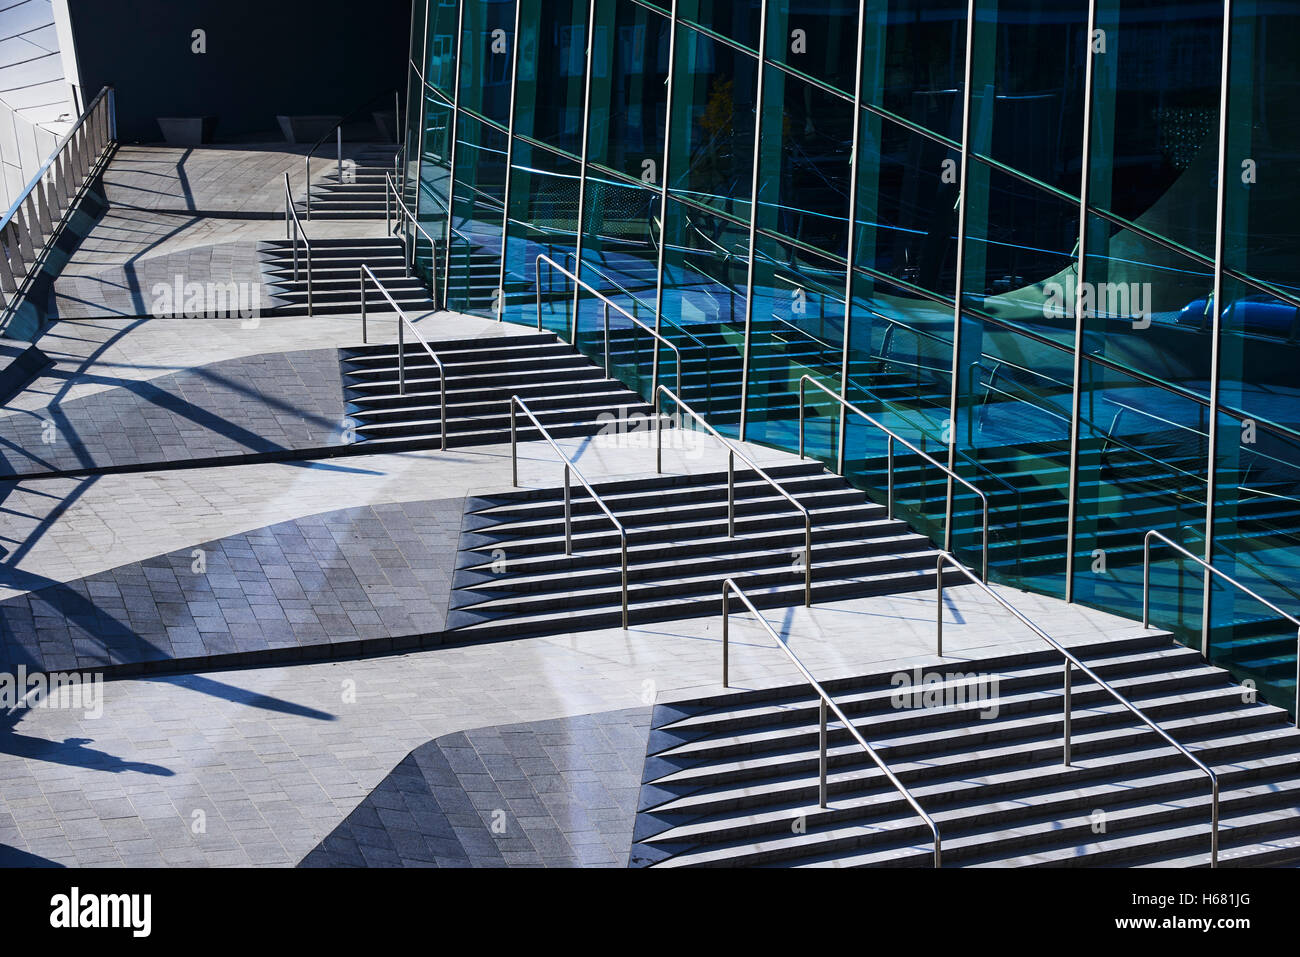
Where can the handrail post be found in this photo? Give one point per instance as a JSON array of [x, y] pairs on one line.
[[361, 275], [339, 131], [889, 465], [659, 436], [401, 356], [568, 515], [514, 448], [801, 398], [1068, 711], [308, 203], [1146, 581], [310, 305], [731, 493], [538, 274], [623, 534], [821, 759], [442, 406], [807, 560], [938, 606], [726, 602], [606, 340]]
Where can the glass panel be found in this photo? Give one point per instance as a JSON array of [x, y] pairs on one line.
[[1155, 117], [543, 220], [714, 89], [474, 269], [704, 308], [485, 53]]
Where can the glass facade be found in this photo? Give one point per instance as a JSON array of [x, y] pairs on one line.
[[1049, 244]]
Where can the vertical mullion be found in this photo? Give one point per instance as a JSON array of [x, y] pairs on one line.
[[510, 162], [1076, 398], [1220, 227], [851, 245], [455, 135], [753, 222], [663, 198], [955, 397], [582, 168]]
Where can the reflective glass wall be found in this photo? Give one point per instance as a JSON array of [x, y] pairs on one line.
[[1046, 247]]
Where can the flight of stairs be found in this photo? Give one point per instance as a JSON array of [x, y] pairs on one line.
[[336, 271], [567, 393], [361, 193], [731, 780], [513, 578]]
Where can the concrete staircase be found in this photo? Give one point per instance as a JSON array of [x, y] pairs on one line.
[[513, 578], [360, 194], [336, 288], [731, 780], [569, 395]]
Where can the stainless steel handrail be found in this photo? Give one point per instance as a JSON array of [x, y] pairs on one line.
[[825, 701], [608, 304], [292, 229], [337, 129], [402, 322], [36, 217], [733, 454], [408, 257], [945, 558], [569, 465], [892, 438], [1146, 596]]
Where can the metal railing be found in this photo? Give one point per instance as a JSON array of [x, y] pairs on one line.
[[1223, 576], [945, 558], [734, 453], [36, 217], [292, 230], [608, 304], [408, 255], [826, 702], [337, 129], [892, 438], [569, 466], [402, 323]]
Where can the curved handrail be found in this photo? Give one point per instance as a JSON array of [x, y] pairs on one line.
[[1146, 596], [609, 304], [409, 253], [402, 323], [733, 454], [1070, 659], [826, 701], [569, 464], [895, 437], [293, 229], [339, 127]]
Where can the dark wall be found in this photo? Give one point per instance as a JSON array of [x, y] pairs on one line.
[[263, 57]]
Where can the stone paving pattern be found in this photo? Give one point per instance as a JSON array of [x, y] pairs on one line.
[[277, 402], [326, 582], [558, 793]]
